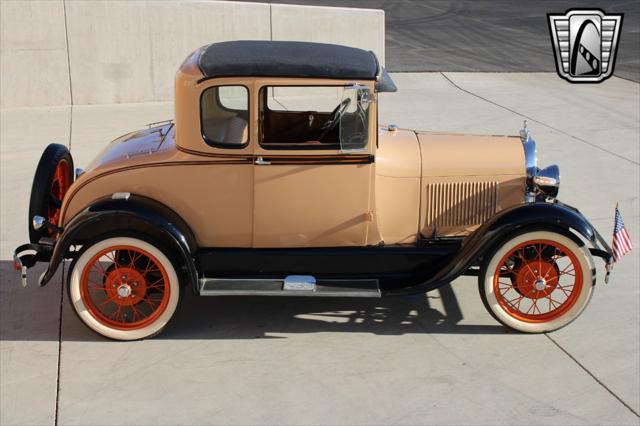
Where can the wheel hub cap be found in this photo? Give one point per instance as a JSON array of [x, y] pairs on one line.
[[124, 290], [537, 279], [540, 284], [125, 286]]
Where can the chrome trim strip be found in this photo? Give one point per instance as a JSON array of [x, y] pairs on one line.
[[157, 123], [530, 156], [121, 196], [530, 151]]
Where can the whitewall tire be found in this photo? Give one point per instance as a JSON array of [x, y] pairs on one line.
[[124, 288], [537, 282]]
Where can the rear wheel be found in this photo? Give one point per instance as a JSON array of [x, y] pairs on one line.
[[537, 282], [54, 176], [124, 288]]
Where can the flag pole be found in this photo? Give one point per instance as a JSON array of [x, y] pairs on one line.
[[609, 267]]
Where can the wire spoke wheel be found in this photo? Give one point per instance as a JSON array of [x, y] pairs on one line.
[[538, 280], [125, 287], [59, 186]]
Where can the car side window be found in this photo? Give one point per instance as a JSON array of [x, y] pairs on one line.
[[312, 117], [224, 116]]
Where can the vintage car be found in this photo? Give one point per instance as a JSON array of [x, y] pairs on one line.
[[276, 179]]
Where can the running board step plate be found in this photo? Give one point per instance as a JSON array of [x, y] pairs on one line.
[[292, 285]]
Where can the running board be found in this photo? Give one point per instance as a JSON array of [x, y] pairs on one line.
[[292, 285]]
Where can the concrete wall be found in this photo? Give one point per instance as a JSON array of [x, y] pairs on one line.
[[57, 52], [33, 54]]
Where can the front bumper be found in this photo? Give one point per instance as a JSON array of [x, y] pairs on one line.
[[26, 255], [604, 252]]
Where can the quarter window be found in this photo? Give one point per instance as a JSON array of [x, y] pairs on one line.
[[224, 116]]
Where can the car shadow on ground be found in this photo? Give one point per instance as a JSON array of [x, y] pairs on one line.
[[33, 313], [268, 317]]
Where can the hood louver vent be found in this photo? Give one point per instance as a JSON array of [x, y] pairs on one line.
[[460, 204]]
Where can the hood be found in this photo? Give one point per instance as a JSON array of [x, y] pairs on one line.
[[138, 146], [404, 152], [451, 154]]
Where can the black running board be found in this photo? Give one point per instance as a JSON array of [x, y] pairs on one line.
[[292, 285]]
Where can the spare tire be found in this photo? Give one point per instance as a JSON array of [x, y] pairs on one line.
[[54, 175]]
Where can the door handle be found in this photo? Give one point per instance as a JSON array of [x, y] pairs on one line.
[[262, 162]]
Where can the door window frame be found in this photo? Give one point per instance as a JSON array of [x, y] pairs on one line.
[[313, 150]]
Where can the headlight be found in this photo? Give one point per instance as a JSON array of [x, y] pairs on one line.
[[547, 181]]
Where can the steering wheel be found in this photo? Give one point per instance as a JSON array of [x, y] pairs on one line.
[[334, 118]]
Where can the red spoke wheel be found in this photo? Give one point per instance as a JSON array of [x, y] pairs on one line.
[[124, 288], [537, 282], [59, 187], [54, 175], [531, 285]]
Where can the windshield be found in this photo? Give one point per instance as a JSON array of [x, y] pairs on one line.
[[354, 122]]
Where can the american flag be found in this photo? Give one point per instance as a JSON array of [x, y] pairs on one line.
[[621, 240]]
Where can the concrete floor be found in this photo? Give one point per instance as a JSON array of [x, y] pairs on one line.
[[434, 359]]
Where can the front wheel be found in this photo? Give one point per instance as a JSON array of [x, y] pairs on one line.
[[537, 282], [124, 288]]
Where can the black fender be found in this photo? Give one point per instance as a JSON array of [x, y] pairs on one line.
[[538, 215], [129, 214]]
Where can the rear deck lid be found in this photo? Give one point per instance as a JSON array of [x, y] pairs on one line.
[[135, 146]]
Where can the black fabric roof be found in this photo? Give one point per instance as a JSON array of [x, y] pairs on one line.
[[287, 59]]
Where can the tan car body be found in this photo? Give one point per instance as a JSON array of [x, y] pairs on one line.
[[406, 184], [288, 186]]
